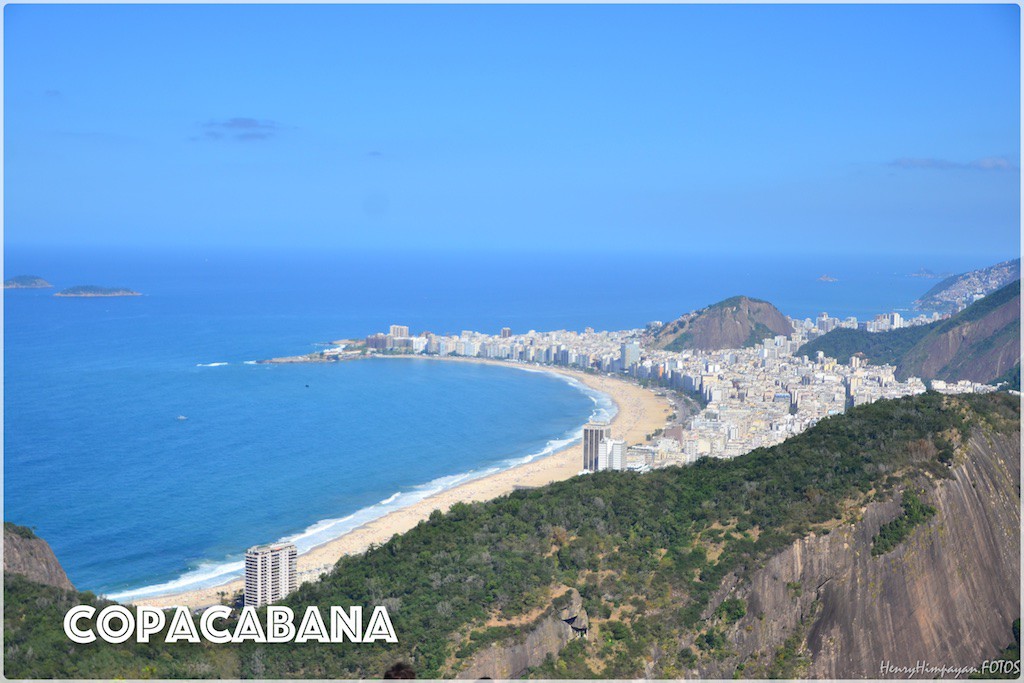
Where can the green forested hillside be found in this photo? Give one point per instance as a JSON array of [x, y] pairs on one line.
[[646, 552], [980, 342], [881, 348]]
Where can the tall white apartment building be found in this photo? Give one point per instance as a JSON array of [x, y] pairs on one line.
[[269, 573], [611, 455], [593, 434]]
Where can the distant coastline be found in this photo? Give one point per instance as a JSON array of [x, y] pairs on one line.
[[94, 291]]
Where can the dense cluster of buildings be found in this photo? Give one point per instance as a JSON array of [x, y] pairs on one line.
[[752, 397], [883, 322], [969, 287]]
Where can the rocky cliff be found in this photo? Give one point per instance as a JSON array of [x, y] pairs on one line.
[[827, 608], [28, 555], [735, 323], [551, 634], [980, 343]]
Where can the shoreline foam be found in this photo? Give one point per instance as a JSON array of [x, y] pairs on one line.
[[638, 413]]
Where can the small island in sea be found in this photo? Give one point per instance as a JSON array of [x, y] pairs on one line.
[[93, 290], [26, 282]]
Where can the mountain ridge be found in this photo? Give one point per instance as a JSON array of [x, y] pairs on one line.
[[733, 323], [981, 343]]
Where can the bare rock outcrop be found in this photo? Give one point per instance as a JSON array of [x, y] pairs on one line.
[[28, 555], [946, 595], [511, 659]]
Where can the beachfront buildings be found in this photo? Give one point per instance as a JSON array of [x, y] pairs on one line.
[[269, 573], [749, 398], [594, 434], [611, 455]]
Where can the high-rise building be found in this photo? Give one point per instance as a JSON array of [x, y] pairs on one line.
[[630, 354], [269, 573], [506, 332], [399, 331], [377, 341], [610, 455], [593, 434]]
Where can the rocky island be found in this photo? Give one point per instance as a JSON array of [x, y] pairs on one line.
[[26, 282], [93, 290]]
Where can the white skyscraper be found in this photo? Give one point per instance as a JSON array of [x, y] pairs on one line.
[[611, 455], [269, 573], [630, 353]]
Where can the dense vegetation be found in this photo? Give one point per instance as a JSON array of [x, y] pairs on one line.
[[35, 645], [1010, 380], [909, 345], [893, 533], [881, 348], [645, 551], [22, 531]]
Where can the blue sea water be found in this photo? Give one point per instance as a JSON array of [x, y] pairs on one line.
[[133, 499]]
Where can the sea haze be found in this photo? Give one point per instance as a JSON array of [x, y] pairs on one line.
[[130, 496]]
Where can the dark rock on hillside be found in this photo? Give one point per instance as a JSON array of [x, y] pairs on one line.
[[735, 323]]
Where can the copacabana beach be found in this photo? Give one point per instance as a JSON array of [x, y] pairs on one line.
[[640, 412]]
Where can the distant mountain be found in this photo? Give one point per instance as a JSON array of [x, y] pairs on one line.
[[93, 290], [30, 556], [26, 282], [980, 343], [959, 290], [737, 322]]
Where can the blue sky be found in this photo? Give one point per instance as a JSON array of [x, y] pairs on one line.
[[681, 128]]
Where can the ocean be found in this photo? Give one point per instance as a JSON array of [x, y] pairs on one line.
[[135, 501]]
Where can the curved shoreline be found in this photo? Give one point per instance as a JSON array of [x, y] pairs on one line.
[[639, 413]]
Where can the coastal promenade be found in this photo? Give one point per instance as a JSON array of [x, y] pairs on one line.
[[640, 412]]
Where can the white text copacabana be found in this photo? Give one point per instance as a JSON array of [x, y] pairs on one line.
[[117, 624]]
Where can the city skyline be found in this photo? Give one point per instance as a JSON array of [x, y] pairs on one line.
[[681, 128]]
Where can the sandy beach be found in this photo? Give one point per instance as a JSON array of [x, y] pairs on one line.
[[640, 412]]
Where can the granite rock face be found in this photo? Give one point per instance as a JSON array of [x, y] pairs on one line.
[[33, 559], [946, 595], [511, 658], [979, 349]]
